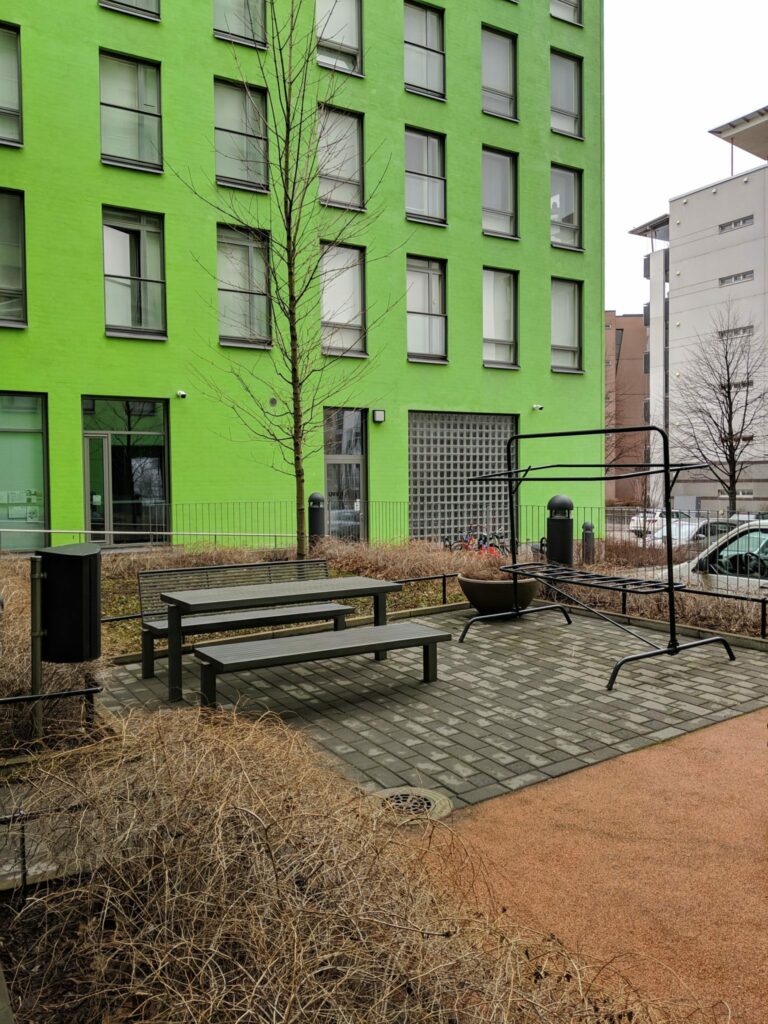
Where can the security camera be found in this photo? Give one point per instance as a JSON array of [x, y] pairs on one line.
[[537, 408], [181, 394]]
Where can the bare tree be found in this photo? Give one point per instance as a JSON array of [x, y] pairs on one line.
[[719, 400], [296, 144]]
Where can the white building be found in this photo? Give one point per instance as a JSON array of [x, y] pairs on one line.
[[709, 252]]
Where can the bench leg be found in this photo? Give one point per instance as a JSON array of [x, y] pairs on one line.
[[340, 622], [174, 653], [207, 686], [430, 663], [380, 619], [147, 654]]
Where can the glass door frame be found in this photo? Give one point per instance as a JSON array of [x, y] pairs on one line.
[[105, 535], [361, 460]]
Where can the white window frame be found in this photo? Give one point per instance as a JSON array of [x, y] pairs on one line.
[[729, 279]]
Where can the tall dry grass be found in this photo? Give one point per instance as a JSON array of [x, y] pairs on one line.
[[224, 874]]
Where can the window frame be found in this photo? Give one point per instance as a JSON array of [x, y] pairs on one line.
[[578, 6], [579, 62], [126, 7], [24, 321], [15, 143], [357, 71], [420, 357], [116, 161], [579, 367], [512, 38], [119, 330], [416, 89], [514, 342], [252, 238], [233, 37], [418, 218], [340, 353], [514, 235], [579, 179], [359, 118], [246, 88], [742, 277], [43, 396]]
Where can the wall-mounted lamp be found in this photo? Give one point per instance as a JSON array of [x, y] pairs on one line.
[[379, 415]]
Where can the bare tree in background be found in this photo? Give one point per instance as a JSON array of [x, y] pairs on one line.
[[719, 401], [293, 143]]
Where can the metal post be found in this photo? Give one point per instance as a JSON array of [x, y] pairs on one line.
[[36, 639], [668, 521], [587, 543], [762, 618], [445, 589]]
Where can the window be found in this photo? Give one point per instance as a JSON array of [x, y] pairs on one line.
[[340, 157], [134, 280], [498, 193], [338, 35], [424, 176], [499, 342], [343, 300], [646, 363], [424, 53], [499, 74], [566, 94], [22, 471], [142, 8], [565, 207], [13, 304], [242, 21], [745, 275], [746, 555], [10, 85], [566, 10], [243, 281], [740, 222], [131, 125], [425, 304], [344, 444], [646, 410], [744, 331], [241, 136], [566, 325]]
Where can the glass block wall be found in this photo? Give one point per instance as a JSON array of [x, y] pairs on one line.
[[445, 450]]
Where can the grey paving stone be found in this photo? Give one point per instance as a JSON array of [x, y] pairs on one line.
[[514, 706]]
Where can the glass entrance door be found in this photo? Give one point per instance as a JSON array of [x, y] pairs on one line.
[[345, 473], [98, 506]]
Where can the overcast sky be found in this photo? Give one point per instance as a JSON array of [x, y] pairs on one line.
[[673, 70]]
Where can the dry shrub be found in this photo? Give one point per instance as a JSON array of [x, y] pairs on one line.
[[227, 875], [406, 561], [62, 719]]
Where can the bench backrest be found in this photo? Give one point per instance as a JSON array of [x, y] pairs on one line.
[[154, 582]]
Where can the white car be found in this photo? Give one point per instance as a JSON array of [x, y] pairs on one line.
[[736, 562], [693, 533], [650, 519]]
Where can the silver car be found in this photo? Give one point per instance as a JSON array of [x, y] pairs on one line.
[[735, 562]]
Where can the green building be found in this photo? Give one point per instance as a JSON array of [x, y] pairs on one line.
[[463, 150]]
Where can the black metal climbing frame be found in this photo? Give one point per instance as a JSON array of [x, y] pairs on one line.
[[555, 576]]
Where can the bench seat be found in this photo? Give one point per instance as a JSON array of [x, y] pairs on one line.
[[243, 655], [217, 622]]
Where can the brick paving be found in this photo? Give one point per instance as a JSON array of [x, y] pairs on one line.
[[518, 703]]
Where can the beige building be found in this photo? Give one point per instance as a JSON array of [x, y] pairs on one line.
[[626, 400]]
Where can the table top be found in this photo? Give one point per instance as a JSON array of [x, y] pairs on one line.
[[266, 594]]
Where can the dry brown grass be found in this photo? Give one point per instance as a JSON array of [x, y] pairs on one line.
[[226, 875]]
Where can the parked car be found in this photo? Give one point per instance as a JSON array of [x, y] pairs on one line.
[[650, 519], [735, 562], [694, 533]]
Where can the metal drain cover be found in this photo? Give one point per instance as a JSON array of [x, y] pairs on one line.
[[413, 802]]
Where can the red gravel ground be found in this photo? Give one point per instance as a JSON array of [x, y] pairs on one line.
[[661, 853]]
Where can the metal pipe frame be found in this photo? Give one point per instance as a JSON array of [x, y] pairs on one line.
[[670, 471]]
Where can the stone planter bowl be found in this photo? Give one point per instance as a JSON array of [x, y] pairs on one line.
[[491, 596]]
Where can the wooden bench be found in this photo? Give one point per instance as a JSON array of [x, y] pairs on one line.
[[154, 613], [242, 655]]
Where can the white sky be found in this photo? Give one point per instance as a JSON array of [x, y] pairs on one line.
[[673, 70]]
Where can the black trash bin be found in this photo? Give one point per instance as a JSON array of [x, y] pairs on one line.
[[71, 602]]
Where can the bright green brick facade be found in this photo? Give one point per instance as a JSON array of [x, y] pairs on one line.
[[64, 353]]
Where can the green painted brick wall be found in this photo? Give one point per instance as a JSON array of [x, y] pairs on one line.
[[64, 351]]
